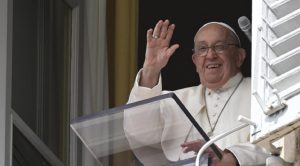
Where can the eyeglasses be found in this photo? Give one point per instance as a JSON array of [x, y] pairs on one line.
[[218, 48]]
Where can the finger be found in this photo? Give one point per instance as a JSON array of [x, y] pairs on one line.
[[185, 150], [198, 143], [170, 32], [157, 28], [164, 29], [210, 153], [172, 49], [149, 34], [214, 161], [189, 148]]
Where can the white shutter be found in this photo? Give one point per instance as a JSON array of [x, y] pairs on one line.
[[275, 103]]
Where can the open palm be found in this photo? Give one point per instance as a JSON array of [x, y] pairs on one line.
[[159, 51]]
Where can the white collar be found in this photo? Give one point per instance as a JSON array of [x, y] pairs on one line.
[[232, 82]]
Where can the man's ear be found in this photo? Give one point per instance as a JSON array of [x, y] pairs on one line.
[[241, 57]]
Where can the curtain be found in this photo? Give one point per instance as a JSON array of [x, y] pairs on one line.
[[108, 59], [122, 21], [95, 68]]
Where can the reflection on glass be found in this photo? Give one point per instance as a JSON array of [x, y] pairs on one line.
[[136, 126]]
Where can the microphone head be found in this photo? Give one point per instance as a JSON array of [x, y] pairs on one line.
[[244, 23]]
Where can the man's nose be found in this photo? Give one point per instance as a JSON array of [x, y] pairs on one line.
[[211, 53]]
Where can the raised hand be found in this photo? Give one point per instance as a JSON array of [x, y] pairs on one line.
[[158, 52]]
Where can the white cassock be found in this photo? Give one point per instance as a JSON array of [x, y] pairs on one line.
[[165, 128]]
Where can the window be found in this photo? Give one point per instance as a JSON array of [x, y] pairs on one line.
[[276, 68]]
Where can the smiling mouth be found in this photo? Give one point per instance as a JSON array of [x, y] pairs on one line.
[[213, 66]]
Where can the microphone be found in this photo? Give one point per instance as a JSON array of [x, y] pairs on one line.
[[245, 25]]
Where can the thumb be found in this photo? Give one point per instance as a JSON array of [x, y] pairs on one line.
[[172, 49]]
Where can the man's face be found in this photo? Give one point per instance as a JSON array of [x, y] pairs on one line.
[[217, 67]]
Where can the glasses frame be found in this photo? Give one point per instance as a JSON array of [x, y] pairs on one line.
[[213, 47]]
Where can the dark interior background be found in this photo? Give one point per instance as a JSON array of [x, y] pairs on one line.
[[188, 16]]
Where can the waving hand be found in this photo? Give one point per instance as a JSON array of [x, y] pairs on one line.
[[158, 52]]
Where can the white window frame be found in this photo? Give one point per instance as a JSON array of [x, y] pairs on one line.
[[273, 108]]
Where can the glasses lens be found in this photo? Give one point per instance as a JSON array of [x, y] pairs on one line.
[[202, 51], [219, 48]]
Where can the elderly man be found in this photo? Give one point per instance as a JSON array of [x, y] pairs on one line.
[[222, 96]]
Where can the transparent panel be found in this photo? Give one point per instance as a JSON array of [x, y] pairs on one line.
[[138, 127]]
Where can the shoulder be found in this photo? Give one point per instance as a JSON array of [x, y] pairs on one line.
[[247, 79], [188, 91], [247, 82], [245, 87], [190, 96]]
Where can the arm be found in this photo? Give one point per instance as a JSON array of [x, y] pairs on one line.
[[249, 154], [158, 52], [148, 84], [241, 154]]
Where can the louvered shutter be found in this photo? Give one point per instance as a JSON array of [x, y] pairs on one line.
[[275, 103]]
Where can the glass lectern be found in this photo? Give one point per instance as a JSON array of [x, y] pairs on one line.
[[137, 127]]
